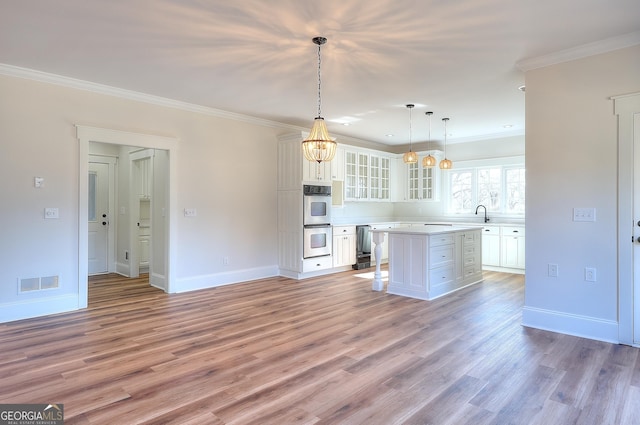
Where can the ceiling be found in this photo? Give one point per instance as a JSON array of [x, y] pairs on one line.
[[461, 59]]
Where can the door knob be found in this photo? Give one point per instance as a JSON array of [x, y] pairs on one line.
[[104, 216], [104, 223]]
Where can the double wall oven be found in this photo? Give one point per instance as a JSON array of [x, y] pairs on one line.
[[317, 232]]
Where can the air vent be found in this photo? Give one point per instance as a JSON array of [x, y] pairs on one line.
[[31, 284]]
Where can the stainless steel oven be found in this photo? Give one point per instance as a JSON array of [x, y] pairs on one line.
[[317, 241], [317, 205]]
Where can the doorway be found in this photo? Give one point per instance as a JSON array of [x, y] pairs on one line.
[[627, 108], [162, 275]]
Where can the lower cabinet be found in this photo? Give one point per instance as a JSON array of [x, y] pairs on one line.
[[512, 247], [503, 248], [344, 246]]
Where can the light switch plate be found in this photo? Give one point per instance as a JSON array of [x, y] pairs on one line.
[[38, 182], [584, 214]]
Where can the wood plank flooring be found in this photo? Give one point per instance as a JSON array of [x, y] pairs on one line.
[[326, 350]]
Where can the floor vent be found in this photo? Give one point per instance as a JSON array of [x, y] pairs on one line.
[[38, 283]]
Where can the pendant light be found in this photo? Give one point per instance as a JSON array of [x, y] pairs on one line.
[[318, 146], [410, 157], [429, 161], [445, 164]]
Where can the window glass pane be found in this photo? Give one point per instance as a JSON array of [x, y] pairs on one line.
[[461, 196], [490, 188], [93, 181], [515, 183]]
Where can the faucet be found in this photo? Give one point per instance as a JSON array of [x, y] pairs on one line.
[[486, 219]]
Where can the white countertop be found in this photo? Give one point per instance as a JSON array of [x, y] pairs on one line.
[[429, 229]]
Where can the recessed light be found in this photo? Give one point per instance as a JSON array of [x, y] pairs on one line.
[[346, 124], [389, 135], [507, 126]]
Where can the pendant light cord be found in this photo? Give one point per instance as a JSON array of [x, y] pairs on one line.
[[319, 82]]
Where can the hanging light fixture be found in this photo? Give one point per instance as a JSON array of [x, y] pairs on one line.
[[318, 146], [429, 161], [445, 164], [410, 157]]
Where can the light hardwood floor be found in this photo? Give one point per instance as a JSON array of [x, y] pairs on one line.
[[327, 350]]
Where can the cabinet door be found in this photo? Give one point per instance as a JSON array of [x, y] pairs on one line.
[[350, 175], [491, 246], [375, 178], [363, 176], [513, 252], [316, 172], [344, 250]]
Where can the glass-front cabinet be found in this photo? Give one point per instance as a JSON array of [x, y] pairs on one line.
[[421, 183], [366, 176]]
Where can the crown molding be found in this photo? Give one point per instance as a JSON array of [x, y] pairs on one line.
[[59, 80], [579, 52]]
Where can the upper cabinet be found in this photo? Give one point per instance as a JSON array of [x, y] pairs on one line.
[[418, 183], [367, 176]]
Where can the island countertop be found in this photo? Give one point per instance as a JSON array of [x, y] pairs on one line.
[[428, 229]]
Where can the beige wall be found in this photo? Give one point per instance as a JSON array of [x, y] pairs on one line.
[[571, 161], [226, 170]]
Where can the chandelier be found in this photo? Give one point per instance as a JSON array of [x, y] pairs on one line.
[[318, 146]]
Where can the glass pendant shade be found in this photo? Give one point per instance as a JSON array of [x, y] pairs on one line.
[[319, 146], [410, 157], [429, 161], [446, 164]]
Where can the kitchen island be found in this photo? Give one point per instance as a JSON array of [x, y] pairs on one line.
[[431, 261]]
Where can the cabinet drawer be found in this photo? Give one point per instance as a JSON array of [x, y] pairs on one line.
[[491, 230], [440, 255], [471, 255], [437, 240], [318, 263], [471, 237], [471, 270], [441, 275], [344, 230], [512, 231]]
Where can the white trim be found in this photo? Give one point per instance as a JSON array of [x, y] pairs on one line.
[[86, 134], [193, 283], [39, 307], [624, 107], [570, 324], [31, 74], [579, 52]]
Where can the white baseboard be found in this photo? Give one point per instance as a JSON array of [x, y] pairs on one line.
[[122, 269], [38, 307], [158, 280], [571, 324], [193, 283]]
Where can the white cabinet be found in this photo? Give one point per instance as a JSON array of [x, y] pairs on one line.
[[421, 183], [344, 246], [491, 246], [427, 266], [356, 176], [366, 176], [512, 246], [379, 171], [316, 172]]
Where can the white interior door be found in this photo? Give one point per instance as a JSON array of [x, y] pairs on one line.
[[98, 218], [636, 214]]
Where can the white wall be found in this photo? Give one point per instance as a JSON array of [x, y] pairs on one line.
[[571, 161], [226, 170]]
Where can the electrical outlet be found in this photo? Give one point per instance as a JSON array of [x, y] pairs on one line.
[[51, 213], [590, 274], [225, 261], [584, 214], [552, 270], [190, 212]]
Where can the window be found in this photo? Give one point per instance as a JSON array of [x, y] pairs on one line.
[[500, 188]]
